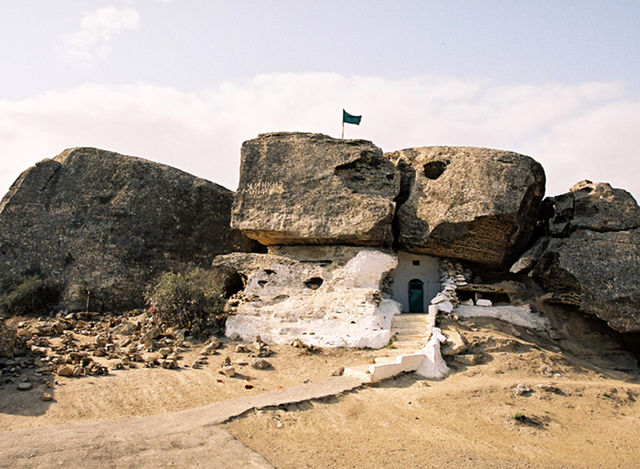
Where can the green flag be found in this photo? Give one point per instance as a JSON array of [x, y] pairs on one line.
[[349, 119]]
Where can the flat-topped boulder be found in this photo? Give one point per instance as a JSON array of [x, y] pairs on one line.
[[305, 188], [591, 255], [474, 204], [101, 225]]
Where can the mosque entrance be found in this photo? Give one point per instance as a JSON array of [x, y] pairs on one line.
[[415, 281], [416, 296]]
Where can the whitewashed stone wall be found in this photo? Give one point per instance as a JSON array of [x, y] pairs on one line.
[[328, 296]]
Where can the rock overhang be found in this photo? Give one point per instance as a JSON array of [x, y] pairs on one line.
[[304, 188], [473, 204]]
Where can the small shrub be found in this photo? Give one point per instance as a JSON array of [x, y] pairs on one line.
[[191, 300], [520, 417], [29, 294]]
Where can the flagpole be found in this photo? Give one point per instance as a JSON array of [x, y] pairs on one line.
[[342, 129]]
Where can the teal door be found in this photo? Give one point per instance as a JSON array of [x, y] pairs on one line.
[[416, 296]]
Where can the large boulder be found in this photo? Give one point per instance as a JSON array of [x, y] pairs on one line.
[[591, 255], [473, 204], [101, 225], [328, 296], [303, 188]]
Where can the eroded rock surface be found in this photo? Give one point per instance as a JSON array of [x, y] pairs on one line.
[[103, 224], [328, 296], [7, 340], [591, 256], [475, 204], [303, 188]]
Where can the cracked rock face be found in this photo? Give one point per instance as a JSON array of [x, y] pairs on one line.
[[303, 188], [105, 223], [590, 257], [475, 204]]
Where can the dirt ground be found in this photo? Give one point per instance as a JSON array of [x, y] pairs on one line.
[[580, 413], [148, 391]]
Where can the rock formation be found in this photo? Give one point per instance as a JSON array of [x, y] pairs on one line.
[[302, 188], [328, 296], [473, 204], [8, 340], [591, 254], [103, 224]]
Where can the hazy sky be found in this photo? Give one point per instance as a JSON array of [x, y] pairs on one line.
[[184, 82]]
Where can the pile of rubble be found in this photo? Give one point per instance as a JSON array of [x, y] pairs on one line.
[[452, 276], [89, 344]]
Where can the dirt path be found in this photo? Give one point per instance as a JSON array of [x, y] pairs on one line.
[[465, 421], [180, 439]]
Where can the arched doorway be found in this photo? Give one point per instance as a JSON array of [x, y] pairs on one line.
[[416, 296]]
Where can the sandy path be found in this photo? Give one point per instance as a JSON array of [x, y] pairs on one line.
[[149, 391], [465, 421], [180, 439]]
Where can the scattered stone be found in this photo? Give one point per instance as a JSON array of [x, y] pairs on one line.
[[242, 348], [338, 371], [25, 386], [483, 302], [550, 388], [523, 389], [454, 345], [228, 370], [65, 370], [297, 343], [469, 359], [169, 364], [445, 307], [261, 364], [46, 396]]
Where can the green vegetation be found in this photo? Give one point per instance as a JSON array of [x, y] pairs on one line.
[[520, 417], [28, 294], [192, 300]]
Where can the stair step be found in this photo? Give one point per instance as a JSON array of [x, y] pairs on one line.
[[409, 336], [408, 327], [411, 323]]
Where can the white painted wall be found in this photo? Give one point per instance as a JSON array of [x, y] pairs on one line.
[[347, 310], [428, 271]]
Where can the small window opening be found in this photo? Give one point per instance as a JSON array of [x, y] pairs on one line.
[[416, 262], [313, 283]]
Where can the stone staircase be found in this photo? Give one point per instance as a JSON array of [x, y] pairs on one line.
[[410, 332]]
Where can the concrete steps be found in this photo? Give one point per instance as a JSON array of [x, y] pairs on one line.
[[410, 333]]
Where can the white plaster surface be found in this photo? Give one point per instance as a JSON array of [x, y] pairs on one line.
[[346, 310], [445, 307], [433, 366], [517, 315], [483, 302]]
